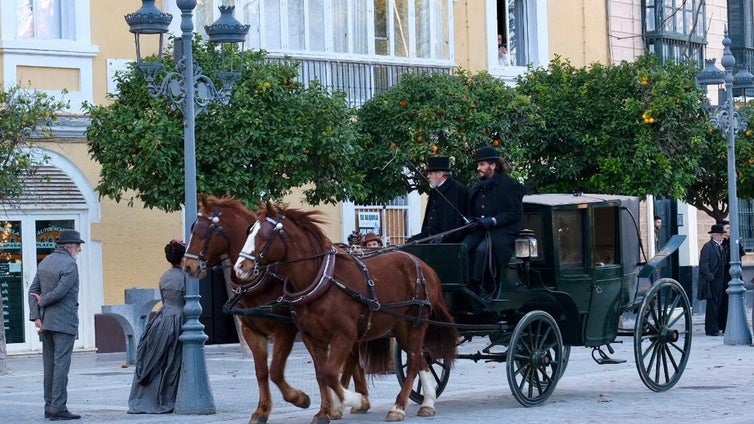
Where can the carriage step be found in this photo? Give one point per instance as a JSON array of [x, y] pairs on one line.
[[601, 357], [608, 361]]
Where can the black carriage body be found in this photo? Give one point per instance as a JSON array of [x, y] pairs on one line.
[[584, 273]]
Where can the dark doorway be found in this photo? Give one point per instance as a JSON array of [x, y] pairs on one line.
[[218, 326]]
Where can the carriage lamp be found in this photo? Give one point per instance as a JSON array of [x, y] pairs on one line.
[[730, 121], [189, 91], [526, 245]]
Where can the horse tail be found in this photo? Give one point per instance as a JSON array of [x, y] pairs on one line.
[[440, 341], [375, 356]]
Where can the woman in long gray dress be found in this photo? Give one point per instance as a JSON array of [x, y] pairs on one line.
[[158, 357]]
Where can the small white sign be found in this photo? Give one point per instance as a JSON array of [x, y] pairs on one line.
[[369, 220]]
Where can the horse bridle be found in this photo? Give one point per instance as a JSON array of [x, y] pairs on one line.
[[213, 228], [277, 228]]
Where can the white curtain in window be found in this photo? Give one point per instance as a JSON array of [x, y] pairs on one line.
[[360, 19], [204, 15], [296, 24], [247, 11], [316, 25], [340, 25], [43, 19], [272, 24], [423, 14]]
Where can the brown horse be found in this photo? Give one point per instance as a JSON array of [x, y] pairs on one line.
[[220, 231], [340, 299]]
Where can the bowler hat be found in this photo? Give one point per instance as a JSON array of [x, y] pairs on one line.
[[487, 154], [717, 229], [438, 163], [371, 237], [69, 236]]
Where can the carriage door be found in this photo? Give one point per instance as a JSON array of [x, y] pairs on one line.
[[607, 276]]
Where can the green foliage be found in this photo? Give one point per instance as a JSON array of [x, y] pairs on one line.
[[709, 192], [437, 114], [275, 135], [633, 128], [24, 114]]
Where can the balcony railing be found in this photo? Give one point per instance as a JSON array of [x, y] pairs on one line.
[[359, 80]]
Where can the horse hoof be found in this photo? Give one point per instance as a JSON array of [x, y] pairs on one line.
[[320, 420], [363, 409], [258, 419], [336, 415], [393, 416], [302, 401], [426, 411]]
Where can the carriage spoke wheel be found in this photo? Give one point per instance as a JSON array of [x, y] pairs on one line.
[[662, 337], [437, 369], [535, 359]]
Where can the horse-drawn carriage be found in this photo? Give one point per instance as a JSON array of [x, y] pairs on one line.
[[575, 281]]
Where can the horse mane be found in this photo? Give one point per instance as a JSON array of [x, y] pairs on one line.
[[308, 221], [208, 202]]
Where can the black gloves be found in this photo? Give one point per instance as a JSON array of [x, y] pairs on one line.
[[487, 223]]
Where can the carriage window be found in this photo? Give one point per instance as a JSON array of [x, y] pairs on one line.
[[605, 228], [568, 225]]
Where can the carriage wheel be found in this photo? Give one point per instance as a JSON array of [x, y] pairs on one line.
[[437, 368], [662, 337], [566, 357], [535, 358]]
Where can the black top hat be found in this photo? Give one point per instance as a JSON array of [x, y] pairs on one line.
[[717, 229], [69, 236], [487, 154], [438, 163]]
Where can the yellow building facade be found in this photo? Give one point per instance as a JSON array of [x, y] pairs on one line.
[[78, 45]]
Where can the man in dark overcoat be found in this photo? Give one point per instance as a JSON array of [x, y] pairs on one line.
[[723, 313], [712, 280], [53, 306], [496, 203], [446, 206]]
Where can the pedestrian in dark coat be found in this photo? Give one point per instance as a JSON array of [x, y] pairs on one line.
[[712, 280], [726, 248], [496, 203], [53, 306], [446, 207]]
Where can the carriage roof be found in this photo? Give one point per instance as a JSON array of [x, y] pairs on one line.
[[563, 199]]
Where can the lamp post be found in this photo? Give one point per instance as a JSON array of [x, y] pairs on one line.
[[191, 92], [727, 119]]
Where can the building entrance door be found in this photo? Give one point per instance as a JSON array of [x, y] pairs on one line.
[[24, 242]]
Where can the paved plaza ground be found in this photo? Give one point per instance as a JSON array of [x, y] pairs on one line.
[[715, 388]]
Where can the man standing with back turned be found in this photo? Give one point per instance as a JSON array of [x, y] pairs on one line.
[[53, 306]]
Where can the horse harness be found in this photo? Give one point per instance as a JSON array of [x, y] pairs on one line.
[[214, 227], [324, 278]]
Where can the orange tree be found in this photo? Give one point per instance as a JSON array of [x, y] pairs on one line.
[[437, 115], [709, 191], [275, 135], [633, 128]]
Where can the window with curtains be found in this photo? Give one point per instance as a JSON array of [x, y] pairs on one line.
[[45, 19], [392, 28]]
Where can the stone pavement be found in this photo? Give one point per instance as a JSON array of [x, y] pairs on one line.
[[716, 387]]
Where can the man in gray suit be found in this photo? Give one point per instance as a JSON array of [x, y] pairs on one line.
[[53, 306]]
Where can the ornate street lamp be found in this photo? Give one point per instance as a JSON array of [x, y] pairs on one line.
[[727, 119], [191, 92]]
